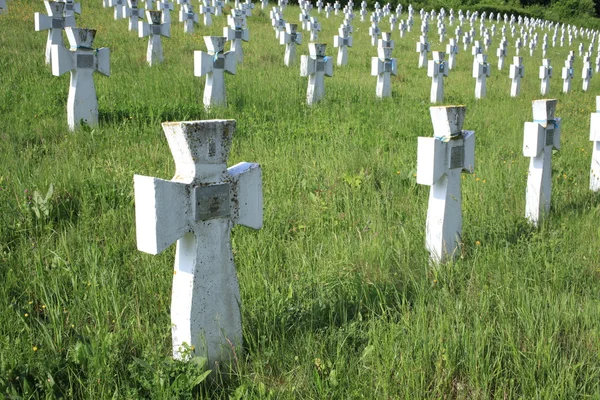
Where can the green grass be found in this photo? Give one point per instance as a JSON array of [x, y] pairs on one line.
[[338, 297]]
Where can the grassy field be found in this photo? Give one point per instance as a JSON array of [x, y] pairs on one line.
[[338, 298]]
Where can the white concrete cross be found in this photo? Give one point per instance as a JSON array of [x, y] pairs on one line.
[[248, 6], [166, 7], [476, 49], [545, 75], [437, 70], [316, 66], [120, 8], [291, 38], [337, 7], [134, 13], [214, 64], [442, 32], [189, 17], [423, 47], [236, 33], [383, 66], [386, 40], [440, 161], [516, 72], [567, 75], [71, 8], [154, 28], [218, 6], [374, 32], [541, 137], [595, 138], [278, 24], [264, 4], [466, 41], [393, 21], [481, 70], [55, 22], [197, 209], [207, 10], [452, 51], [501, 54], [314, 28], [402, 26], [82, 61], [319, 6], [586, 74], [328, 10], [342, 41]]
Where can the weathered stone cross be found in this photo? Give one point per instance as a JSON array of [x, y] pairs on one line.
[[437, 70], [541, 137], [516, 72], [236, 32], [342, 41], [197, 209], [545, 75], [214, 64], [382, 67], [55, 22], [82, 60], [440, 161], [291, 38], [316, 66], [481, 70], [154, 29]]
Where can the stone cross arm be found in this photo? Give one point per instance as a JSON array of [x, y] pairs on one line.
[[435, 157], [545, 71], [481, 68], [286, 38], [538, 135], [379, 66], [339, 41], [232, 34], [205, 62], [516, 70], [65, 60], [310, 65]]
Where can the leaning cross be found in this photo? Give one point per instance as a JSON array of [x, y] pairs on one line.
[[82, 60], [595, 138], [437, 70], [516, 72], [382, 67], [440, 161], [541, 137], [316, 66], [214, 64], [545, 75], [481, 70], [197, 209], [342, 41], [291, 38], [155, 29], [54, 22]]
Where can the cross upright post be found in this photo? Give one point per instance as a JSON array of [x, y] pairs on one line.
[[316, 66], [154, 28], [374, 32], [545, 75], [440, 161], [517, 71], [541, 137], [214, 64], [342, 41], [166, 7], [423, 47], [197, 209], [55, 22], [437, 70], [383, 66], [291, 38], [82, 61], [595, 139]]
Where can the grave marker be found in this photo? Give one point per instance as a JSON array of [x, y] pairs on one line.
[[567, 75], [134, 13], [316, 66], [189, 17], [154, 28], [595, 138], [383, 66], [236, 33], [541, 137], [517, 71], [214, 64], [197, 209], [55, 22], [545, 75], [437, 70], [481, 70], [342, 41], [586, 74], [291, 38], [423, 48], [207, 11], [452, 51], [82, 61], [440, 161]]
